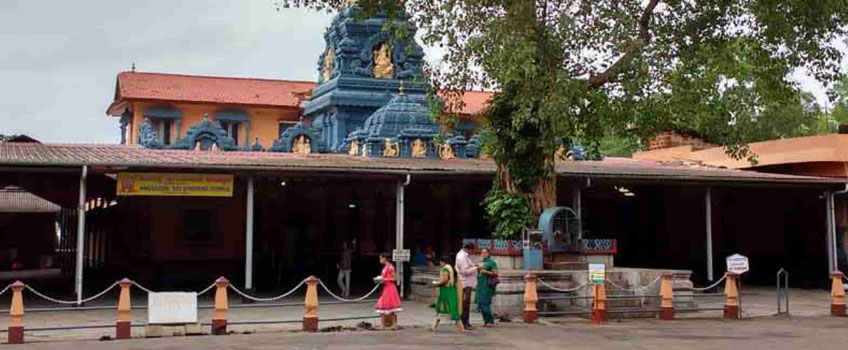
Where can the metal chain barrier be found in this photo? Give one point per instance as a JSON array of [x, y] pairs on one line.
[[206, 290], [542, 282], [711, 286], [348, 300], [634, 289], [71, 302], [5, 289], [142, 287], [281, 296]]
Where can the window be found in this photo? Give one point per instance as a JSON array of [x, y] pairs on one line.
[[232, 129], [162, 127], [198, 226], [285, 124]]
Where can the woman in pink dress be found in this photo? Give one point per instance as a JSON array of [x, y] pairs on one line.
[[389, 303]]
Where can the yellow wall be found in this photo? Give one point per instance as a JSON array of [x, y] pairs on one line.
[[264, 122]]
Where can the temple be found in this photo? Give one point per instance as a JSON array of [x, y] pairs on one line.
[[262, 180]]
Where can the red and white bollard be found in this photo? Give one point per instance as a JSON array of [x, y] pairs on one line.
[[310, 316], [16, 328], [219, 319], [531, 296], [667, 297], [731, 296], [123, 324], [837, 294], [599, 307]]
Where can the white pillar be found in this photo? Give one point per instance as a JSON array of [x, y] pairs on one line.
[[709, 213], [80, 234], [831, 234], [248, 242], [399, 213]]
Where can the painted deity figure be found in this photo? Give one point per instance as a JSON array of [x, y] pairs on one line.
[[329, 64], [354, 148], [383, 68], [390, 149], [419, 148], [302, 145], [445, 151]]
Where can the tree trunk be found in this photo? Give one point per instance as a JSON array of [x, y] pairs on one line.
[[544, 194]]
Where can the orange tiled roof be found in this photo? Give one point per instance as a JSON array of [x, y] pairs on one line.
[[209, 89], [239, 91], [129, 157]]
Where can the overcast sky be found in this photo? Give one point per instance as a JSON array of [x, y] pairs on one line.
[[59, 59]]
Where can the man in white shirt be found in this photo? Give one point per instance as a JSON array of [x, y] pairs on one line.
[[467, 271]]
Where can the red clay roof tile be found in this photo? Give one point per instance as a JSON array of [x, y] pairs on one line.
[[240, 91], [73, 155]]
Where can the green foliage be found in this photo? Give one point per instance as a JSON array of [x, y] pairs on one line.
[[586, 71], [507, 212]]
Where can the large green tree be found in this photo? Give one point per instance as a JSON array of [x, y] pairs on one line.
[[581, 69]]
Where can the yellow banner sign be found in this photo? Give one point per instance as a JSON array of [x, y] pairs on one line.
[[162, 184]]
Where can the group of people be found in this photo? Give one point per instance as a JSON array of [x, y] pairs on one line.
[[455, 288]]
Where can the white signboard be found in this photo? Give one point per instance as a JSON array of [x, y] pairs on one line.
[[171, 307], [596, 273], [737, 264], [400, 255]]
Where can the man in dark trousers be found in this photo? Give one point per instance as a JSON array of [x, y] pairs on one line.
[[467, 271]]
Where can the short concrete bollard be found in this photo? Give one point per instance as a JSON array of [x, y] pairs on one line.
[[667, 297], [219, 320], [310, 316], [16, 328], [837, 294], [531, 297], [731, 296], [599, 307], [122, 325]]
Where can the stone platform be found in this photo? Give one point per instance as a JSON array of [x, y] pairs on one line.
[[510, 292]]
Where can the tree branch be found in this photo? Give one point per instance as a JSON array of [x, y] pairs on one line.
[[644, 37]]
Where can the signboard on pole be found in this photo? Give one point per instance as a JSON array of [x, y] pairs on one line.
[[171, 308], [596, 274], [169, 184], [737, 264], [400, 255]]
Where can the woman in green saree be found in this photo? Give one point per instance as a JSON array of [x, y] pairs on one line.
[[448, 302], [486, 282]]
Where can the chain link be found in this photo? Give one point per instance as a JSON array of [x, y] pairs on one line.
[[71, 302], [281, 296], [711, 286], [5, 289], [348, 300], [142, 287], [542, 282], [206, 290]]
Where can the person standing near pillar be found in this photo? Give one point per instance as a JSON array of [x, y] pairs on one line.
[[467, 271], [345, 267]]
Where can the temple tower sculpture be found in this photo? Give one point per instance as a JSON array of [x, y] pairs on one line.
[[360, 71]]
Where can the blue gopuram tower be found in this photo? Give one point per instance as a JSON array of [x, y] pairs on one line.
[[360, 71]]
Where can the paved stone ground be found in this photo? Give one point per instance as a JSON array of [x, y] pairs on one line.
[[756, 303], [820, 332]]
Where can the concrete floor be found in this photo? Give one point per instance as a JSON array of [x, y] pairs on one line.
[[805, 306], [781, 332]]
